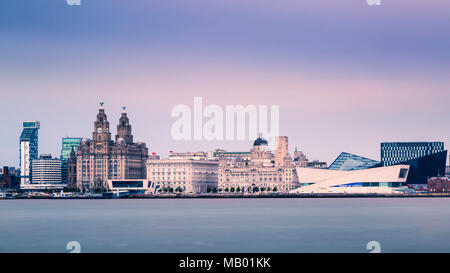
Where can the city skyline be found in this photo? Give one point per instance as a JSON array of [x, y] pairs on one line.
[[166, 152], [381, 80]]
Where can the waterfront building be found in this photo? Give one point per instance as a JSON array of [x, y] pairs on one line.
[[351, 162], [219, 153], [387, 180], [154, 156], [393, 153], [132, 186], [427, 159], [28, 149], [281, 155], [45, 174], [189, 174], [101, 158], [67, 145], [263, 171], [72, 171], [188, 155], [438, 184], [316, 164], [447, 168], [300, 158], [8, 178]]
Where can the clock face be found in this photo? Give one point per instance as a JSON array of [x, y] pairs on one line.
[[99, 130]]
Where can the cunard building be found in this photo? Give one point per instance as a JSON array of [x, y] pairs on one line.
[[101, 158]]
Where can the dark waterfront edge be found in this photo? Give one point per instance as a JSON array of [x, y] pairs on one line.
[[284, 196]]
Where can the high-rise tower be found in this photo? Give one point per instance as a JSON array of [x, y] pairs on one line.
[[28, 149], [68, 145], [282, 157]]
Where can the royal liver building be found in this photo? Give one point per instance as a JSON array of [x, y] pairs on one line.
[[101, 158]]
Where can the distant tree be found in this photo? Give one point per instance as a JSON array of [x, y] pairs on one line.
[[263, 189], [238, 189], [208, 189], [255, 189], [232, 189], [170, 190], [275, 189], [220, 189], [268, 188], [226, 189]]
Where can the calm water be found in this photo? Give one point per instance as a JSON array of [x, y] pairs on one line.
[[226, 225]]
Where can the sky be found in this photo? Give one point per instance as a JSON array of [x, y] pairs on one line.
[[345, 75]]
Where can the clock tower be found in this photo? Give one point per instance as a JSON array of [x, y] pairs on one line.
[[101, 158], [101, 135]]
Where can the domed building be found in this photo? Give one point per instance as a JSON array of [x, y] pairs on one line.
[[260, 155], [262, 172], [100, 158]]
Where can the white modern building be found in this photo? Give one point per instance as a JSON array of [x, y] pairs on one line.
[[190, 173], [28, 150], [384, 180], [45, 174]]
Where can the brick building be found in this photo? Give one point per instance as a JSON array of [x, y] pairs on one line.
[[439, 184]]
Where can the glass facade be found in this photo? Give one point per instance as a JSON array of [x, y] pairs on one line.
[[67, 144], [393, 153], [351, 162], [427, 159], [127, 184], [370, 184]]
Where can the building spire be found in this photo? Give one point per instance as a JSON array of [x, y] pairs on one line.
[[101, 105]]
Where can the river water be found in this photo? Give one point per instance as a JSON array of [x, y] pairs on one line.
[[226, 225]]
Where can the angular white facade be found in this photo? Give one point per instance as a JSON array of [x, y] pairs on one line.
[[375, 180]]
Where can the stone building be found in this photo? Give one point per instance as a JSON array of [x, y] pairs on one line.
[[264, 171], [184, 172], [100, 158], [439, 184], [72, 170]]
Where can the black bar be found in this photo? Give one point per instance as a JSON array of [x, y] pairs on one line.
[[219, 262]]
